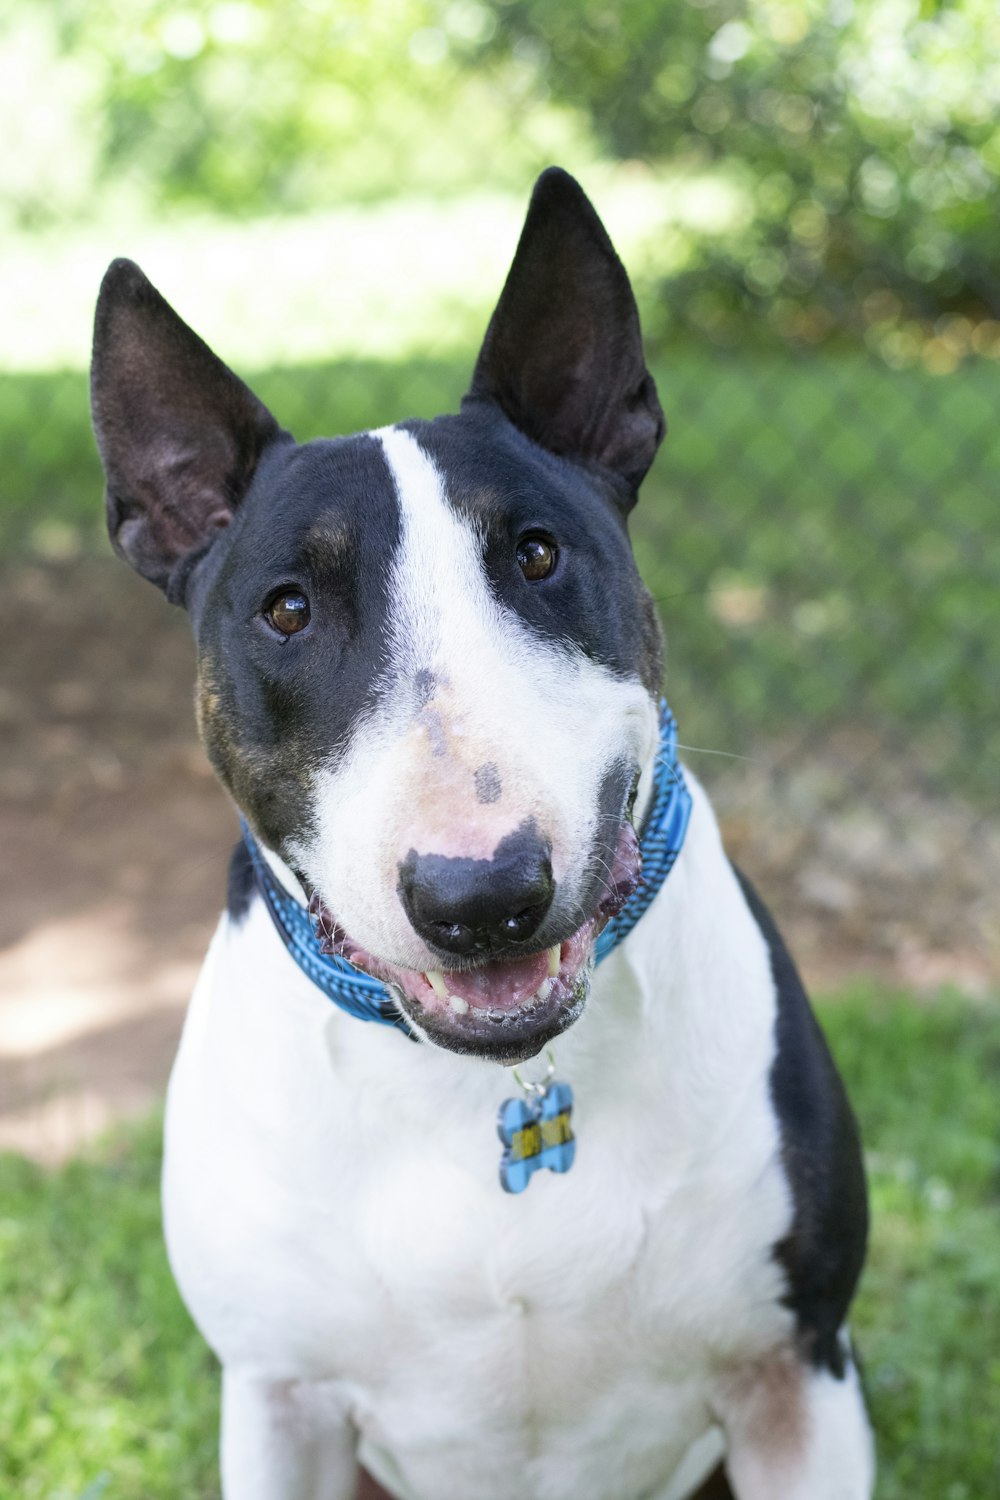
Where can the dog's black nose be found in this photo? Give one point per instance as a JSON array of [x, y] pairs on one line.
[[469, 906]]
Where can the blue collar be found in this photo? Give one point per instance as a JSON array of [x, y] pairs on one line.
[[368, 999]]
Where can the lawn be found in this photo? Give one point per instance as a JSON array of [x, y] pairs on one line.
[[106, 1389]]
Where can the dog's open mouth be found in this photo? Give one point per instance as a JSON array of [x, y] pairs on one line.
[[506, 1007]]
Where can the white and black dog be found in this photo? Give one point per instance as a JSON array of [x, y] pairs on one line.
[[429, 677]]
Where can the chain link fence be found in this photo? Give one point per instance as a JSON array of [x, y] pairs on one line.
[[820, 530]]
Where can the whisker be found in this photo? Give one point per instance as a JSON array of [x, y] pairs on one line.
[[684, 594], [730, 754]]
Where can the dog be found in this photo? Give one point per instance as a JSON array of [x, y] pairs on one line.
[[429, 678]]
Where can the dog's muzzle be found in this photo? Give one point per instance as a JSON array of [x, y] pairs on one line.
[[500, 1002]]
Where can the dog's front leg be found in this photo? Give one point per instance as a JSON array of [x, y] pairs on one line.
[[285, 1440], [798, 1433]]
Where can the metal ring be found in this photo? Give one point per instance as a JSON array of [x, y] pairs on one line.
[[537, 1089]]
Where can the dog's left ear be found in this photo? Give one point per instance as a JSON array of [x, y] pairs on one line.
[[563, 354]]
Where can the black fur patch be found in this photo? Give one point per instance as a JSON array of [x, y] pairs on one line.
[[824, 1252], [242, 883], [322, 518]]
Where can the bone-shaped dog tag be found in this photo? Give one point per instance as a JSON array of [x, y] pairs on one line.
[[536, 1133]]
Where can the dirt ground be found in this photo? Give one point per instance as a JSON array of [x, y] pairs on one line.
[[115, 842]]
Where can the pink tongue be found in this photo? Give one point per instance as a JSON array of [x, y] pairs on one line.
[[501, 985]]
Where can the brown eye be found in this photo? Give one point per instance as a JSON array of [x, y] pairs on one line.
[[536, 557], [288, 613]]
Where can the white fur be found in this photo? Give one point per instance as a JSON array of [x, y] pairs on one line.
[[333, 1211], [336, 1227], [829, 1453], [550, 721]]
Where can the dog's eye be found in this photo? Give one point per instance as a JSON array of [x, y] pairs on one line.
[[536, 557], [288, 613]]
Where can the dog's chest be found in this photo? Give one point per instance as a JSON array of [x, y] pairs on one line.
[[472, 1330], [548, 1330], [349, 1225]]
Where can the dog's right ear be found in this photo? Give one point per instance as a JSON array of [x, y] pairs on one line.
[[563, 357], [178, 433]]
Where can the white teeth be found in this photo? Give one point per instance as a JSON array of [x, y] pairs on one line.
[[554, 953], [435, 979], [545, 989]]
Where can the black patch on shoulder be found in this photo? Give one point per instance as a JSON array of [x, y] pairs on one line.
[[825, 1250], [242, 884]]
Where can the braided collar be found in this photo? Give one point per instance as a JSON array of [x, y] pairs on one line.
[[368, 999]]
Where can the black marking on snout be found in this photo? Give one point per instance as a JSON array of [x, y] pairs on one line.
[[489, 787], [433, 725], [425, 683], [480, 906]]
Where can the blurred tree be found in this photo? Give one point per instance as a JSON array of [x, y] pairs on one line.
[[256, 106], [859, 139], [865, 135]]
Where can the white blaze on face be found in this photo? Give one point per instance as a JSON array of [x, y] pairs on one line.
[[481, 725]]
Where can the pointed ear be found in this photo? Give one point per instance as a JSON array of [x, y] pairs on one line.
[[563, 354], [179, 434]]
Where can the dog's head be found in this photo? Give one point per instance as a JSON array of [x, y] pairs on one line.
[[428, 670]]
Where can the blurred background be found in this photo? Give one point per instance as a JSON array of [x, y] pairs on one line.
[[807, 195]]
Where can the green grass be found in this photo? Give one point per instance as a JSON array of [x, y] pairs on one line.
[[106, 1389], [925, 1080], [820, 531]]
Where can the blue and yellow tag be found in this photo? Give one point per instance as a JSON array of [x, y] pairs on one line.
[[536, 1133]]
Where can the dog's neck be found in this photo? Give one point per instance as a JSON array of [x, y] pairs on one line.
[[690, 986]]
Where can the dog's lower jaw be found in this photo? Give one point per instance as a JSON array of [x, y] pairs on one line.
[[495, 1036], [505, 1027]]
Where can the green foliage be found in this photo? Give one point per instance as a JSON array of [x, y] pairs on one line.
[[106, 1388], [854, 143], [863, 138], [251, 106]]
